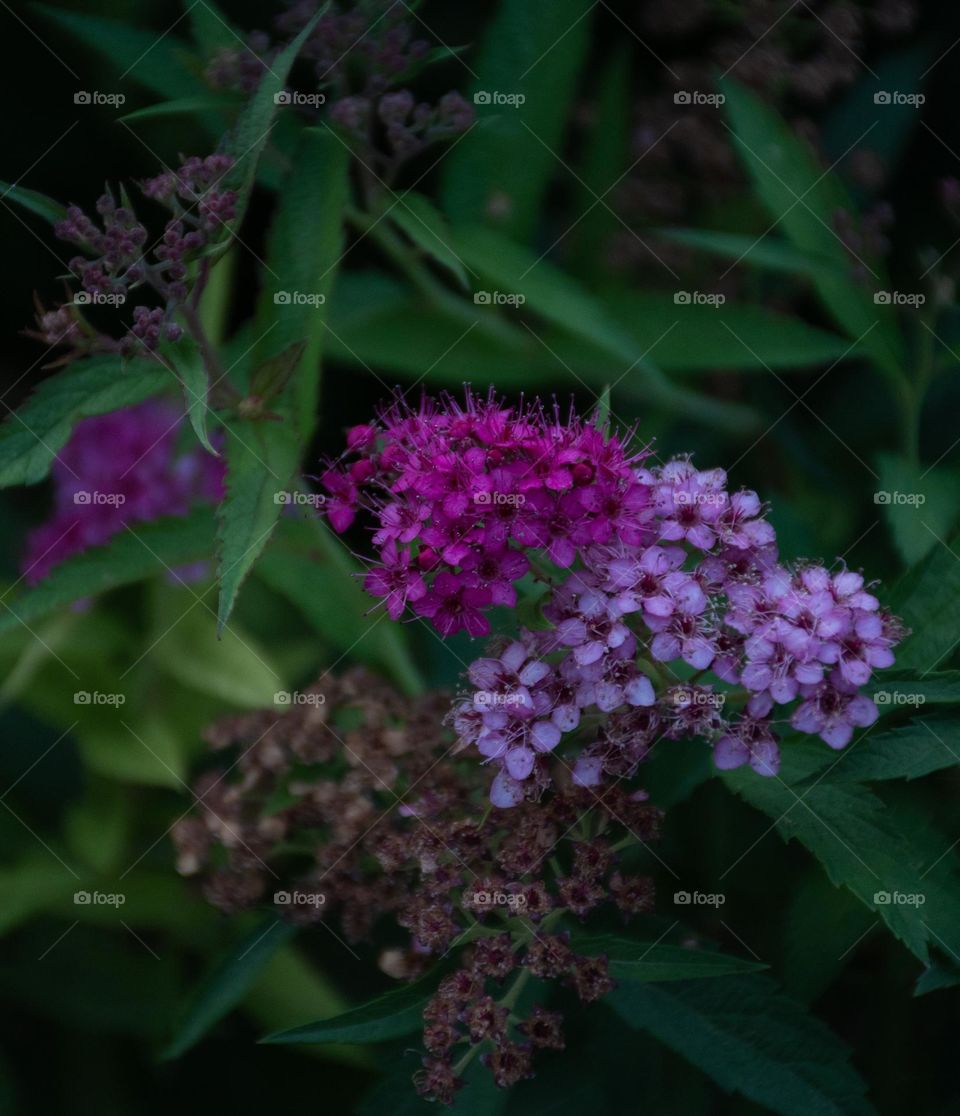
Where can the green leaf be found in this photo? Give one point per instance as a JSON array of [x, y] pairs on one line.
[[426, 226], [31, 437], [821, 929], [699, 337], [912, 688], [750, 1039], [803, 200], [257, 120], [156, 59], [844, 122], [98, 827], [562, 301], [310, 567], [928, 601], [305, 246], [130, 556], [292, 988], [33, 200], [918, 503], [650, 961], [262, 457], [396, 1013], [272, 376], [383, 328], [908, 751], [30, 886], [228, 983], [769, 254], [605, 159], [149, 753], [558, 298], [195, 384], [233, 668], [936, 978], [852, 834], [212, 32], [500, 171], [183, 106]]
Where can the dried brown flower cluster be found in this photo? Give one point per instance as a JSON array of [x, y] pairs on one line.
[[349, 806]]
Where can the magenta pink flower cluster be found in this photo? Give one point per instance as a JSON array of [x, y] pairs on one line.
[[657, 574], [119, 468]]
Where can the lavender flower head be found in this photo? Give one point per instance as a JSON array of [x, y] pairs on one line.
[[657, 575]]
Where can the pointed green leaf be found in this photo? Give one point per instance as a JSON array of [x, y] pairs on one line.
[[803, 199], [132, 555], [426, 226], [212, 31], [233, 668], [34, 201], [513, 270], [928, 602], [31, 436], [396, 1013], [153, 754], [305, 246], [500, 171], [376, 324], [908, 751], [769, 254], [228, 982], [853, 835], [262, 457], [195, 384], [156, 59], [183, 106], [256, 122], [310, 566], [700, 337], [908, 689], [653, 961], [751, 1039], [918, 503]]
